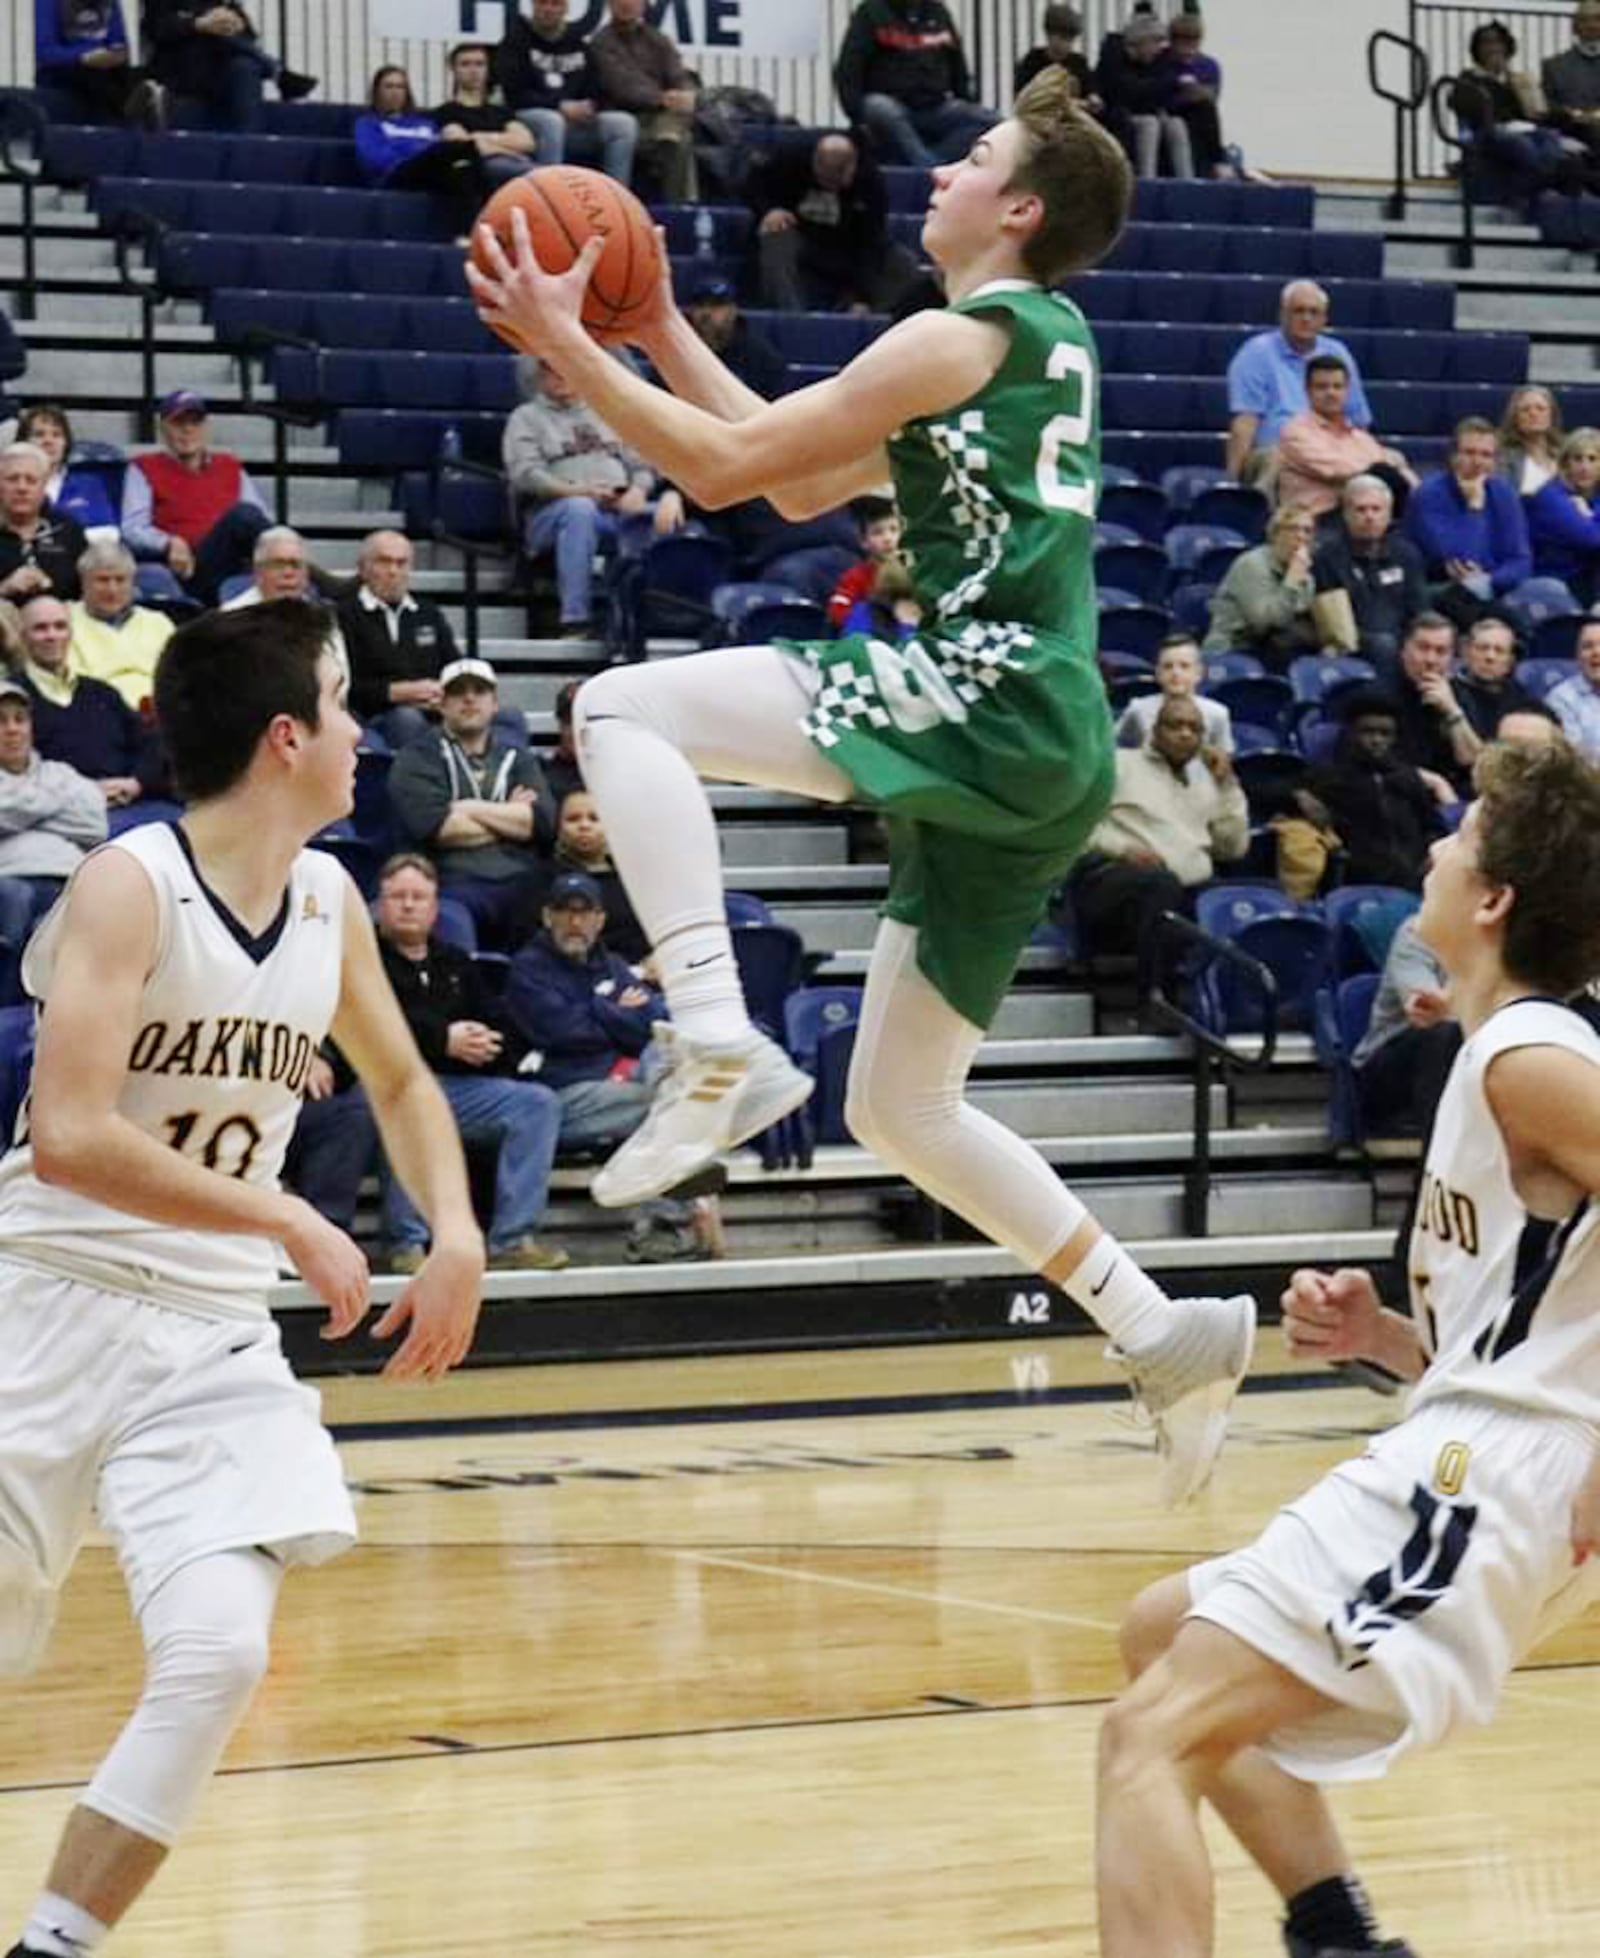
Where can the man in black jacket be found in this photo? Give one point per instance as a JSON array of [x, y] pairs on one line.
[[713, 312], [902, 75], [483, 810], [543, 69], [398, 643], [440, 991], [822, 230], [39, 550], [1384, 812], [207, 51], [1378, 570]]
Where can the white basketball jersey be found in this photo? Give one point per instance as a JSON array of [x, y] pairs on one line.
[[228, 1028], [1508, 1304]]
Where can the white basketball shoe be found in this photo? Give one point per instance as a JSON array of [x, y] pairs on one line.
[[1186, 1384]]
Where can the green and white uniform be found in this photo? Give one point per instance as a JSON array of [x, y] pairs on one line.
[[986, 737]]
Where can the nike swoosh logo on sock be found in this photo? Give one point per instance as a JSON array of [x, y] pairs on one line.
[[1096, 1290], [694, 965]]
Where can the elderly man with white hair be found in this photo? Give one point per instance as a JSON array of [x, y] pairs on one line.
[[39, 550], [1267, 376], [1370, 579], [280, 567], [399, 643], [114, 639]]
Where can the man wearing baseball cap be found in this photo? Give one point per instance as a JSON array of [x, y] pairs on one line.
[[188, 506], [478, 805], [588, 1020], [50, 818], [822, 230], [713, 312]]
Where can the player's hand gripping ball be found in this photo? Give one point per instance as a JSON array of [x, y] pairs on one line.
[[564, 207]]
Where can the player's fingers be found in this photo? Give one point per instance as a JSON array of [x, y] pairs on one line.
[[494, 252], [398, 1313], [588, 258]]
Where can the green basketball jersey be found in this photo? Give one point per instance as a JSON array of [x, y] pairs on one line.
[[999, 494]]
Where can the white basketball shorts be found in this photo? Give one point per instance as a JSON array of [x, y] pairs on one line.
[[1408, 1583], [185, 1435]]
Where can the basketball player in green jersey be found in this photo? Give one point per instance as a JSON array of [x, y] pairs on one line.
[[985, 738]]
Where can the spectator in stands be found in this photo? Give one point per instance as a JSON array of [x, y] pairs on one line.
[[505, 144], [1178, 676], [1402, 1060], [587, 1019], [1320, 450], [1267, 376], [879, 529], [713, 312], [113, 639], [1063, 30], [81, 47], [1199, 94], [188, 506], [281, 567], [1564, 519], [210, 55], [84, 722], [77, 493], [1502, 109], [581, 845], [1487, 688], [482, 810], [891, 610], [1467, 522], [50, 818], [1380, 807], [1530, 439], [1576, 702], [1435, 735], [1572, 79], [640, 69], [1264, 603], [441, 993], [1369, 579], [822, 230], [902, 76], [399, 147], [545, 72], [335, 1142], [1167, 827], [561, 764], [397, 642], [1139, 81], [583, 489], [39, 549]]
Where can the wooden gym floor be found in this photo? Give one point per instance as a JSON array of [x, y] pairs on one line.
[[771, 1657]]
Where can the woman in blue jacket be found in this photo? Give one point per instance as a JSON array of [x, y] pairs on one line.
[[81, 47], [80, 493], [398, 147], [1564, 518]]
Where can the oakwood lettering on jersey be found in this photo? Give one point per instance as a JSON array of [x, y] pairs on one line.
[[232, 1047]]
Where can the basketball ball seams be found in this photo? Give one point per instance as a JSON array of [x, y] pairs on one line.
[[565, 205]]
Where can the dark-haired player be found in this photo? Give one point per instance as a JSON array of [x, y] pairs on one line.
[[186, 980], [1385, 1609]]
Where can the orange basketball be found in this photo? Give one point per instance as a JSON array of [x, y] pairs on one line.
[[564, 207]]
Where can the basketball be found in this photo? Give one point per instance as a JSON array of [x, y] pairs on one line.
[[564, 207]]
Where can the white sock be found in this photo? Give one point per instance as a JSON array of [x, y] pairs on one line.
[[1121, 1296], [700, 978], [62, 1928]]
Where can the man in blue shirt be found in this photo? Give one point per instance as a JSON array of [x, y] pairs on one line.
[[1467, 522], [1267, 376]]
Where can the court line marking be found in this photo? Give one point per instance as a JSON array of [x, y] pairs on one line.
[[1032, 1612]]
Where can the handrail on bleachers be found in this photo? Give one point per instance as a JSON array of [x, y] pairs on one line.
[[1406, 104], [20, 117]]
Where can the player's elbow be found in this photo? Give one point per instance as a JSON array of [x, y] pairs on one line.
[[62, 1145], [799, 506]]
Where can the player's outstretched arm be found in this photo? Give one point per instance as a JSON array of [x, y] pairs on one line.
[[423, 1145], [683, 360], [80, 1140], [830, 437]]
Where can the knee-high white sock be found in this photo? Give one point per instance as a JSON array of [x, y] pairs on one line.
[[643, 733]]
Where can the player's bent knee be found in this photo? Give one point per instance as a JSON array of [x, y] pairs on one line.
[[213, 1670], [1151, 1622]]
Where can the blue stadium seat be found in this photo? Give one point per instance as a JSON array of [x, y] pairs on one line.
[[18, 1030], [1137, 507], [731, 227], [1260, 700], [771, 959], [1108, 534], [1236, 508], [1542, 673], [1216, 669], [1190, 543], [1362, 918], [1538, 599], [1133, 629], [1182, 485], [1554, 640], [1289, 939], [1138, 568], [1314, 676], [1341, 1016], [1190, 606], [733, 602], [745, 908], [907, 188]]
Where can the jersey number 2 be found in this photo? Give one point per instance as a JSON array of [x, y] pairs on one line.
[[1070, 431]]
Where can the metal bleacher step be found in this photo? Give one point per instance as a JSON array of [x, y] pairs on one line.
[[67, 372]]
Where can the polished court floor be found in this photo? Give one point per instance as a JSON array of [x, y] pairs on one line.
[[788, 1657]]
